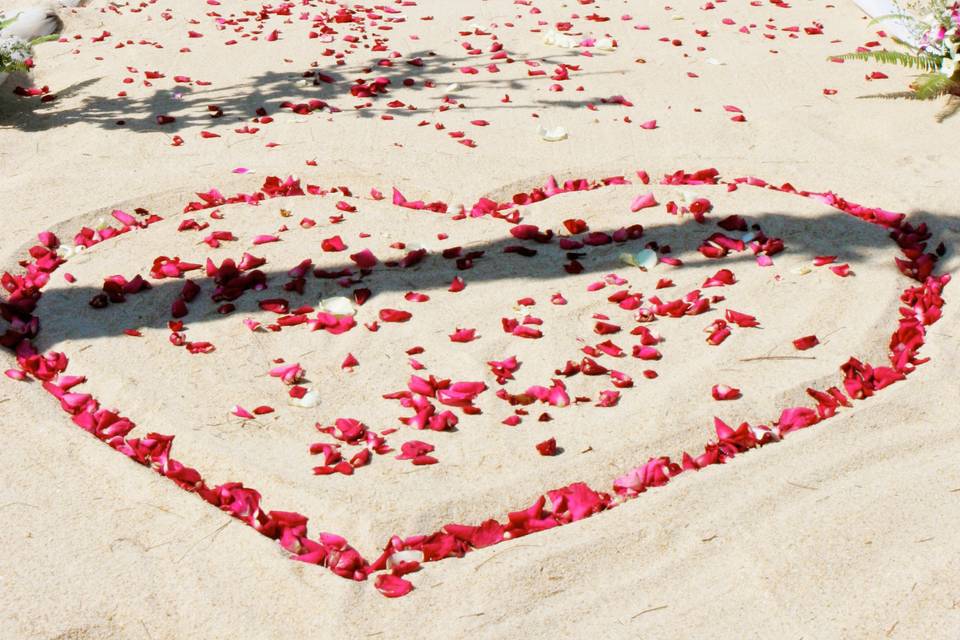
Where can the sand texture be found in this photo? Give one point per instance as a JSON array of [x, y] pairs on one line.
[[413, 138]]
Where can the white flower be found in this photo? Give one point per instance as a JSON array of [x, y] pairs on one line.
[[948, 67], [14, 51]]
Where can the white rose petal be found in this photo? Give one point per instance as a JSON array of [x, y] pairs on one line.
[[554, 134], [557, 39], [605, 44], [645, 259], [338, 306], [309, 400], [409, 555]]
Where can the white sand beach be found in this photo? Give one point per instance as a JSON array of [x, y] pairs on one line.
[[394, 156]]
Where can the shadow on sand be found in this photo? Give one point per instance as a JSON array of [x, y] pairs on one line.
[[830, 234]]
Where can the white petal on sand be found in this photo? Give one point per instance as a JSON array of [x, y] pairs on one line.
[[309, 400], [554, 134], [338, 306]]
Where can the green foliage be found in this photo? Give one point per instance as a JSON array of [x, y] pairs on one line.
[[902, 43], [921, 61], [41, 39], [934, 85], [930, 53], [900, 17]]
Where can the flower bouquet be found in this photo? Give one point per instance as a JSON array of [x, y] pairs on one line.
[[15, 52], [934, 48]]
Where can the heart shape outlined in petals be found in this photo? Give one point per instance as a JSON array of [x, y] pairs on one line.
[[921, 307]]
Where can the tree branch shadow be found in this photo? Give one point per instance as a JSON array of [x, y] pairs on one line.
[[496, 260], [340, 91]]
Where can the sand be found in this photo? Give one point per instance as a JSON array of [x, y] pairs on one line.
[[841, 530]]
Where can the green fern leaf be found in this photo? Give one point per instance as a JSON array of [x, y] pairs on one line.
[[903, 43], [920, 61], [932, 85], [903, 17], [41, 39]]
